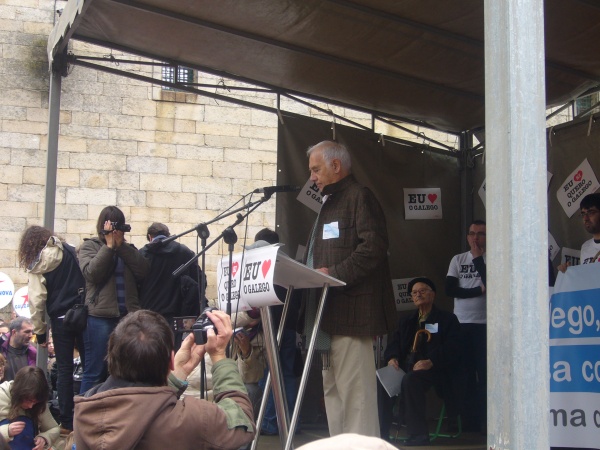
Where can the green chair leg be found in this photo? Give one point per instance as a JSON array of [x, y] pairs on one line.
[[437, 433]]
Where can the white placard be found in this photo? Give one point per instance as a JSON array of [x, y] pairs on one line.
[[571, 256], [481, 193], [310, 196], [251, 281], [553, 247], [401, 296], [7, 289], [21, 303], [423, 203], [578, 184]]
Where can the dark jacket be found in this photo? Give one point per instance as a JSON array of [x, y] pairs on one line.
[[443, 349], [54, 283], [365, 306], [161, 291], [97, 263]]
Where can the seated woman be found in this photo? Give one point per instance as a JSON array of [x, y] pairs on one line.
[[434, 363], [25, 422]]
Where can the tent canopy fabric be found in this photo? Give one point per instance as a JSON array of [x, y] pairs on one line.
[[420, 60]]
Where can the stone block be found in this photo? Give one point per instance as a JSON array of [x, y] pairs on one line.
[[187, 111], [72, 144], [11, 174], [227, 141], [199, 152], [71, 212], [109, 162], [185, 126], [101, 104], [85, 228], [156, 150], [126, 91], [24, 126], [121, 121], [206, 185], [200, 201], [229, 169], [160, 182], [263, 144], [148, 215], [34, 175], [17, 224], [131, 198], [124, 134], [263, 119], [91, 119], [3, 192], [67, 177], [84, 131], [12, 208], [257, 172], [138, 107], [20, 140], [13, 112], [255, 132], [158, 124], [165, 109], [11, 25], [71, 101], [179, 138], [43, 29], [21, 98], [226, 114], [112, 147], [190, 167], [28, 158], [124, 180], [189, 216], [146, 164], [218, 129], [85, 196], [258, 156], [170, 199], [93, 179], [25, 192]]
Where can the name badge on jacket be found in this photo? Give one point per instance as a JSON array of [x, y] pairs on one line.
[[331, 230]]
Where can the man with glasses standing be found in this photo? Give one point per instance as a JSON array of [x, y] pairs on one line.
[[590, 214], [466, 281]]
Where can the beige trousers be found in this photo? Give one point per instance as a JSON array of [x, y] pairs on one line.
[[350, 387]]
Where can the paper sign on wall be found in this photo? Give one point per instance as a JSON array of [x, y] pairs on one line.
[[579, 183], [21, 303], [310, 196], [401, 296], [7, 289], [424, 203]]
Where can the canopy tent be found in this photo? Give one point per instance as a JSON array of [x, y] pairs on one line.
[[420, 60]]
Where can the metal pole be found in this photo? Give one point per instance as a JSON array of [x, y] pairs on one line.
[[306, 371], [517, 224]]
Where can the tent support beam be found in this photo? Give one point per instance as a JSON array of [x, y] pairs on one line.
[[517, 226]]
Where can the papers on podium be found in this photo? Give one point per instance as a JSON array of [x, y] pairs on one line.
[[391, 379]]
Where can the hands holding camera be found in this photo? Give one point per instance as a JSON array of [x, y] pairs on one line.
[[114, 238], [190, 353]]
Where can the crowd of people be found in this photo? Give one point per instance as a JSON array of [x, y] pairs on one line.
[[136, 370]]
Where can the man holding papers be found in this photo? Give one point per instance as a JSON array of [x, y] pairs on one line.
[[426, 347]]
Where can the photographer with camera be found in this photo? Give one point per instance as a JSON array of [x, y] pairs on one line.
[[112, 269], [137, 406]]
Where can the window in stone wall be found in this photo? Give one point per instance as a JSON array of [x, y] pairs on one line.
[[184, 76], [584, 103]]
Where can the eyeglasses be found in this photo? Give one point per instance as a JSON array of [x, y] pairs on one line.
[[479, 234], [589, 213], [420, 292]]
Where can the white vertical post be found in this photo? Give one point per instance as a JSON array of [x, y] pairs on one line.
[[517, 218]]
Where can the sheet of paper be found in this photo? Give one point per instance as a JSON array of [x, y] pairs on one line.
[[391, 379]]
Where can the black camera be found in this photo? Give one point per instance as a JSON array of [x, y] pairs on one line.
[[116, 226], [201, 326]]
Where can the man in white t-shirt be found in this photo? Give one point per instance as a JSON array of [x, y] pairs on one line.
[[466, 282], [590, 214]]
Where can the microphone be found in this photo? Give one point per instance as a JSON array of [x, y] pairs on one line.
[[271, 189]]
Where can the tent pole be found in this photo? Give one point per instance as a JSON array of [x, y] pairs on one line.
[[517, 226]]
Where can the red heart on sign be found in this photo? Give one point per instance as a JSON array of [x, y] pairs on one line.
[[578, 176], [432, 197], [234, 268], [266, 265]]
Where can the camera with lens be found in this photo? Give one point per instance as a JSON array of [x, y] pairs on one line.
[[116, 226], [201, 326]]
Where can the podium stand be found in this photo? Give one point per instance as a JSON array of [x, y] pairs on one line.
[[292, 275]]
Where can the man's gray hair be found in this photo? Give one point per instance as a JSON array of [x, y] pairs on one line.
[[333, 150], [17, 323]]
